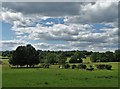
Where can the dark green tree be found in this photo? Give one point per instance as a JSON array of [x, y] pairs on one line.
[[32, 56], [24, 55], [95, 57], [110, 56], [117, 55], [18, 57], [77, 57]]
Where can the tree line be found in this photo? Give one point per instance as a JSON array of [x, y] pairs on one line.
[[105, 56], [28, 56]]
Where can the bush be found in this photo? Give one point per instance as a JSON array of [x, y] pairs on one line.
[[82, 66], [100, 66], [66, 66], [73, 66], [104, 66], [108, 67]]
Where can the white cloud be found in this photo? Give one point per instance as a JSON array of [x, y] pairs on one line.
[[72, 32], [56, 32], [99, 12], [11, 44], [77, 31], [10, 16], [54, 47], [43, 46]]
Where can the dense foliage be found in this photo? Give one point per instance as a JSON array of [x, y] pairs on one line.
[[24, 55], [29, 56], [104, 66], [77, 57], [105, 56]]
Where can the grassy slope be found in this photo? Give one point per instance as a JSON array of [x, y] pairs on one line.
[[59, 77]]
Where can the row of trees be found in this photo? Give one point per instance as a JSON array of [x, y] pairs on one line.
[[29, 56], [106, 56], [66, 53]]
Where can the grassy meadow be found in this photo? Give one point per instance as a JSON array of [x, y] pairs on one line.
[[55, 77]]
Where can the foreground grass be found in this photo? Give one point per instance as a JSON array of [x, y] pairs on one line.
[[54, 77]]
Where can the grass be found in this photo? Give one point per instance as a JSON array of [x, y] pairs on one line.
[[54, 77]]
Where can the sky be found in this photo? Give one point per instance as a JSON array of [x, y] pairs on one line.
[[91, 26]]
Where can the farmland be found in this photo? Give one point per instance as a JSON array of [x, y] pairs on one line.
[[56, 77]]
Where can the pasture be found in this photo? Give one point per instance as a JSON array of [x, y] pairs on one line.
[[56, 77]]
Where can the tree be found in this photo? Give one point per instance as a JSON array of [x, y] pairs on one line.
[[117, 55], [32, 56], [95, 57], [61, 59], [110, 56], [18, 57], [73, 59], [51, 58], [104, 56], [77, 57], [25, 55]]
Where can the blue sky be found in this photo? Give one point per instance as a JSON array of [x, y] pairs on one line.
[[79, 27], [7, 33]]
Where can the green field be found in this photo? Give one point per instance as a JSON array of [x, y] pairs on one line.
[[55, 77]]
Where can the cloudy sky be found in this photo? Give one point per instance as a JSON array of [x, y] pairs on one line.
[[60, 25]]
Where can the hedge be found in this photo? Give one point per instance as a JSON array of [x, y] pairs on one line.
[[104, 66]]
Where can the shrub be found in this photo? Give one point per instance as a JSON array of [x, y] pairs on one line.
[[82, 66], [104, 66], [73, 66], [66, 66], [108, 67], [100, 66]]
